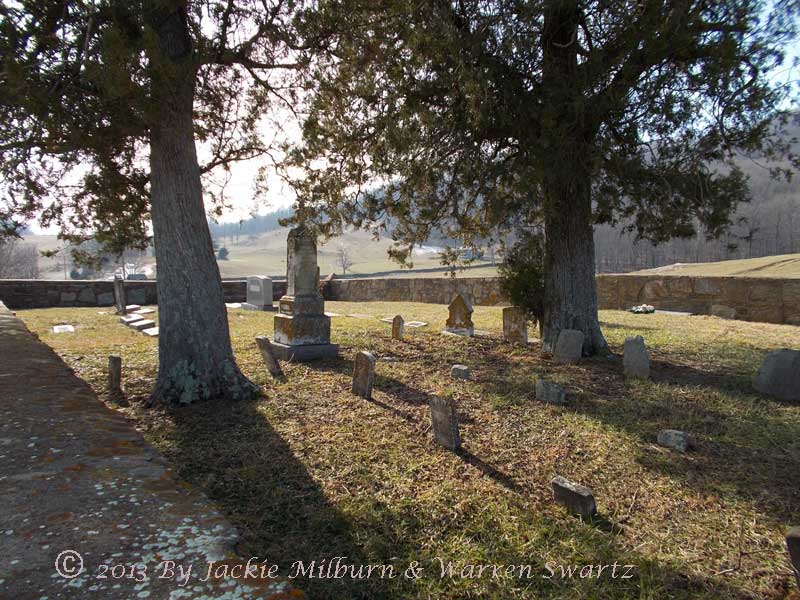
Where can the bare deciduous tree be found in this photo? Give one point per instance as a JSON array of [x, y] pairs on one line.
[[18, 260], [343, 258]]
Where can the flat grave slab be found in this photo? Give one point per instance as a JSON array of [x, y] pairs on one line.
[[63, 329], [143, 324]]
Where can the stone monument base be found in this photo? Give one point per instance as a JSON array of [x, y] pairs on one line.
[[463, 332], [305, 352], [248, 306]]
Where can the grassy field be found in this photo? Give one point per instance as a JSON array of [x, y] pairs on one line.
[[782, 266], [310, 471], [266, 254]]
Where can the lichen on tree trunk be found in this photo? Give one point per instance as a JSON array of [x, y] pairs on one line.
[[196, 359]]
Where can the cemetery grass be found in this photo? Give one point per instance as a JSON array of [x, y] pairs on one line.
[[310, 471]]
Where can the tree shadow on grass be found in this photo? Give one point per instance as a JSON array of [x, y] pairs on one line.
[[252, 474]]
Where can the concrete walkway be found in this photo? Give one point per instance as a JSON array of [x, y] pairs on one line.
[[87, 508]]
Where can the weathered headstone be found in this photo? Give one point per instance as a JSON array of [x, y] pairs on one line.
[[672, 438], [459, 318], [302, 330], [270, 360], [569, 346], [549, 392], [515, 325], [793, 545], [578, 499], [460, 372], [398, 325], [636, 360], [444, 420], [119, 295], [259, 293], [115, 374], [363, 374], [779, 375]]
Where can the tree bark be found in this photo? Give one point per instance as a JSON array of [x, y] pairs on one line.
[[570, 288], [195, 355]]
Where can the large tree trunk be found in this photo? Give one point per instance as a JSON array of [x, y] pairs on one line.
[[570, 291], [570, 288], [195, 356]]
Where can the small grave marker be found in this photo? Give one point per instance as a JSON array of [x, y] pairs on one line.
[[636, 360], [364, 374], [398, 325], [578, 499], [569, 346], [549, 392], [515, 325], [459, 320], [460, 372], [672, 438], [115, 374], [63, 329], [444, 420], [270, 361]]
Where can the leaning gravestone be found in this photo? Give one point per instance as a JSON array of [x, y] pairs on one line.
[[459, 320], [578, 499], [363, 374], [259, 293], [302, 330], [119, 295], [636, 360], [569, 346], [444, 420], [779, 375], [515, 325], [398, 325], [271, 362]]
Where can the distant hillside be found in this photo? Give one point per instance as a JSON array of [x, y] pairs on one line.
[[786, 266]]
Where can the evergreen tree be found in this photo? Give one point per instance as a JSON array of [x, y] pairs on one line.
[[482, 117], [101, 105]]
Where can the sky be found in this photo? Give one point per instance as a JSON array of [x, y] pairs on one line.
[[239, 188]]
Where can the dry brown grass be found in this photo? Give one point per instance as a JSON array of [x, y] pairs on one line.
[[310, 471]]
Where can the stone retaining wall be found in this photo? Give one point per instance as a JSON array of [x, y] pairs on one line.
[[40, 293], [752, 299], [484, 291], [747, 298]]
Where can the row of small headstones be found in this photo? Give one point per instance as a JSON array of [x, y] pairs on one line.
[[576, 498]]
